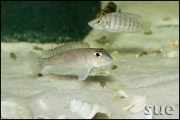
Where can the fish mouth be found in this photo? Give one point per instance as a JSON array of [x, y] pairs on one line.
[[110, 58], [90, 23], [109, 61], [94, 25]]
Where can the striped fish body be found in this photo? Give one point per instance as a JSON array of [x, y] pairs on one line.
[[121, 22]]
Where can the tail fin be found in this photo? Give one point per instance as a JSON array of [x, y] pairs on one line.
[[35, 62], [146, 27]]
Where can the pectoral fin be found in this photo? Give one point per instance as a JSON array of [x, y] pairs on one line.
[[84, 72]]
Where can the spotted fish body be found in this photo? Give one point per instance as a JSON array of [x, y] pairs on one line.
[[120, 22], [74, 58]]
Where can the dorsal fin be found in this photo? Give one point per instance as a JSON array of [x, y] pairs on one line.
[[64, 47]]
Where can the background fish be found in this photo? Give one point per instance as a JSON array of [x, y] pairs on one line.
[[110, 7], [121, 22], [74, 58]]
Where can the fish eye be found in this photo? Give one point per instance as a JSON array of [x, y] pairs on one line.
[[98, 54], [99, 21]]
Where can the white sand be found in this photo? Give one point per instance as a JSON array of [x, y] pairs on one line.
[[154, 77]]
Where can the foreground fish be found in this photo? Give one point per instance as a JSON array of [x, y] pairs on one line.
[[121, 22], [74, 58]]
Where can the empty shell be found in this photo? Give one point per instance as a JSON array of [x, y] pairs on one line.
[[120, 94], [63, 117], [138, 104], [13, 110], [141, 115], [88, 110]]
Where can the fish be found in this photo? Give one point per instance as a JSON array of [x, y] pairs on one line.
[[72, 58], [102, 40], [103, 84], [13, 56], [114, 67], [110, 7], [37, 48], [121, 22]]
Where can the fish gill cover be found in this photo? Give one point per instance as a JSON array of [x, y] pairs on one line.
[[41, 21]]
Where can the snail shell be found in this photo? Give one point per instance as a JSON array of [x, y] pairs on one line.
[[13, 110], [138, 104], [120, 94], [88, 110], [141, 115]]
